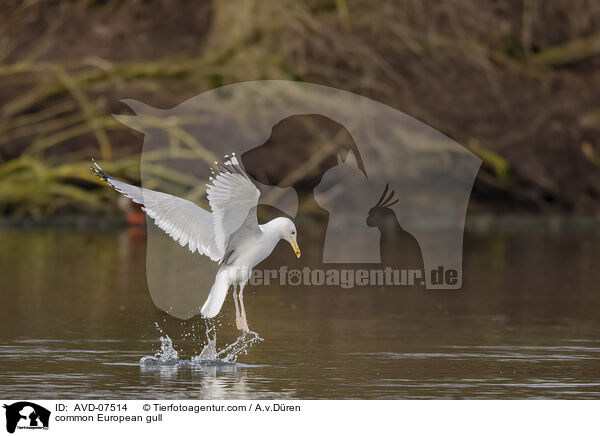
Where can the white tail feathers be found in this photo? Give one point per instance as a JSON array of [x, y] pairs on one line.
[[216, 298]]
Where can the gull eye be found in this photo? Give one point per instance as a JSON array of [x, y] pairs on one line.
[[293, 233]]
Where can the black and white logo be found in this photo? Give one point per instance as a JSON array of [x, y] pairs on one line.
[[26, 415]]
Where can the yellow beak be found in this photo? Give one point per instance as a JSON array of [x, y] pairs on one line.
[[294, 245]]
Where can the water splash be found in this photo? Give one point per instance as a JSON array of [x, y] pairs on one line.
[[209, 351], [241, 346], [167, 355], [209, 356]]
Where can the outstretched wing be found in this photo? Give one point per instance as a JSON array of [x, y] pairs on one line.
[[184, 221], [233, 199]]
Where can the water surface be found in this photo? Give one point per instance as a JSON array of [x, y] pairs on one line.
[[77, 318]]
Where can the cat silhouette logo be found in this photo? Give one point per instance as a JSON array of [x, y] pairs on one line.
[[26, 415]]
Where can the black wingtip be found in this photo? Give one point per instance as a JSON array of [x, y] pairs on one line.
[[99, 171], [222, 167]]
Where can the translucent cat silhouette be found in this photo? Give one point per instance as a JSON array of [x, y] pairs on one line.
[[345, 192]]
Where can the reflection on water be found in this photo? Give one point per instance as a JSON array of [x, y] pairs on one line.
[[77, 319]]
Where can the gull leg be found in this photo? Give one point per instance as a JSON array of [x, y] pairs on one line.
[[237, 308], [244, 322]]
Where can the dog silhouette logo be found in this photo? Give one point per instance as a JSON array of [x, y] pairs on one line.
[[26, 415], [320, 156]]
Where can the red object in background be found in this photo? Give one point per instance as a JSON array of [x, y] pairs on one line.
[[133, 212], [135, 217]]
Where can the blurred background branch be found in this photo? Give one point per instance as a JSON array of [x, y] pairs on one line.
[[514, 81]]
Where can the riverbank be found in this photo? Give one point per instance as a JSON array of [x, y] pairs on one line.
[[514, 84], [476, 223]]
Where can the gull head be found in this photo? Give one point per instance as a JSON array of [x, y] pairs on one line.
[[286, 230]]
